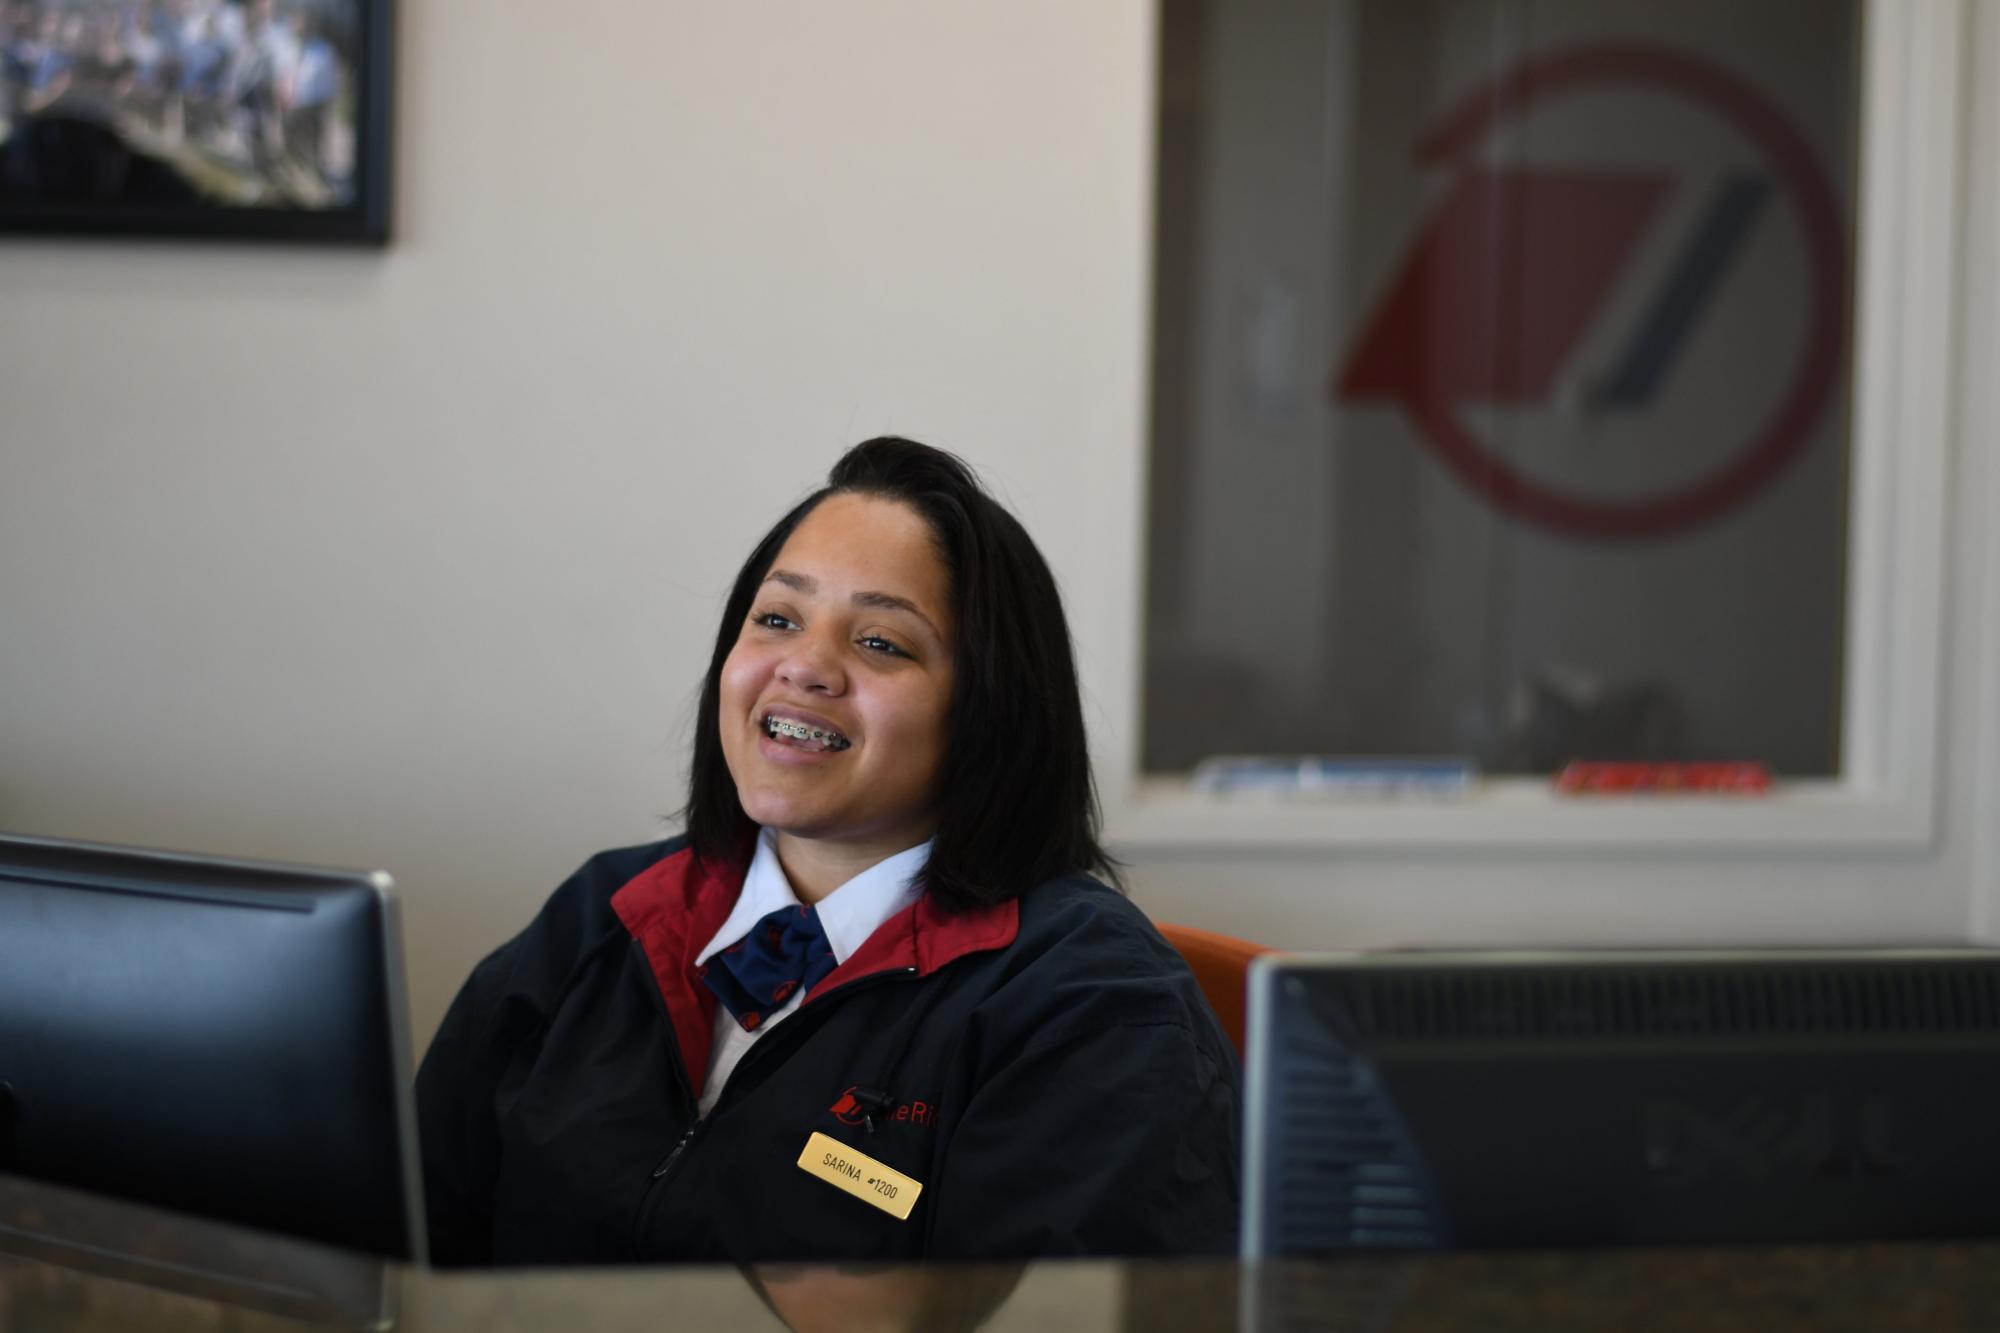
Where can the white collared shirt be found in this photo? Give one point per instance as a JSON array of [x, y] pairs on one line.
[[849, 915]]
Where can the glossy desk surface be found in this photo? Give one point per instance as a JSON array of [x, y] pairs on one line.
[[73, 1262]]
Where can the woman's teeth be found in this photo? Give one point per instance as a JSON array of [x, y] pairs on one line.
[[810, 738]]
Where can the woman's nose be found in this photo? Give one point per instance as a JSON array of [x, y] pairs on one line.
[[812, 665]]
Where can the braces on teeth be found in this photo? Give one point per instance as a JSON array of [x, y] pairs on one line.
[[798, 731]]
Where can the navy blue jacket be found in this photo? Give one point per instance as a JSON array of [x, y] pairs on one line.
[[1046, 1069]]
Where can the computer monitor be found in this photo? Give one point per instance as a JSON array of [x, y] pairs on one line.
[[219, 1037], [1555, 1100]]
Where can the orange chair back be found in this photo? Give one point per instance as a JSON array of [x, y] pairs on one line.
[[1219, 964]]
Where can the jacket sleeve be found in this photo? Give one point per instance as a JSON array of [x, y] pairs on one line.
[[1119, 1141], [498, 1016], [460, 1140]]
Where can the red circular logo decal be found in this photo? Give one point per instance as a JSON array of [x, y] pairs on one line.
[[1425, 350]]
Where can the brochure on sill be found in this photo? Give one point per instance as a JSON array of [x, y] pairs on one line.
[[1334, 775]]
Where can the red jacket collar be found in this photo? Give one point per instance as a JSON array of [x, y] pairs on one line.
[[675, 906]]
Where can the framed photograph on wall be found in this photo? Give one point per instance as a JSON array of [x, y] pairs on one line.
[[196, 118]]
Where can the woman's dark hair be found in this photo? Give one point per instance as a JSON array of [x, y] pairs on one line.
[[1016, 805]]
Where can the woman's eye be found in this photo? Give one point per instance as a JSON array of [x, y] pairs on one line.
[[876, 643], [772, 620]]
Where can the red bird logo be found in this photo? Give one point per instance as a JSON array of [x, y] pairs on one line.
[[847, 1110]]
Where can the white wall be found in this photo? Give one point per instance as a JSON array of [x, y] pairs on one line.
[[410, 559]]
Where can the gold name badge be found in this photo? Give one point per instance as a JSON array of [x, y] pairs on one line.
[[859, 1174]]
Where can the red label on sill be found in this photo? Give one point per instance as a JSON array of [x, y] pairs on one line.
[[1736, 778]]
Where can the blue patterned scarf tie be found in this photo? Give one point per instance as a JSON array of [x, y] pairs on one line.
[[784, 953]]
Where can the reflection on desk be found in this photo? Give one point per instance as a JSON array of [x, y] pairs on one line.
[[71, 1262]]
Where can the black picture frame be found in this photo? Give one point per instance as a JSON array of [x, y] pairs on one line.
[[99, 159]]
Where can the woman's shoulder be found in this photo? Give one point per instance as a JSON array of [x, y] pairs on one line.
[[576, 917], [1080, 911], [1085, 954], [610, 870], [586, 895]]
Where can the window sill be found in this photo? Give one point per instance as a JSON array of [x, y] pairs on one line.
[[1161, 816]]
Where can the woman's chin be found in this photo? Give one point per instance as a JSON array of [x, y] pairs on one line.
[[783, 815]]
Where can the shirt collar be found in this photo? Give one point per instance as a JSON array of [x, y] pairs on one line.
[[849, 915]]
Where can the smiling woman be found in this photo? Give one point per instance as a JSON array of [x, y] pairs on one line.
[[837, 694], [942, 586], [880, 941]]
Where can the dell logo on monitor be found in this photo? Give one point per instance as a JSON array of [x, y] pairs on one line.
[[1757, 1140]]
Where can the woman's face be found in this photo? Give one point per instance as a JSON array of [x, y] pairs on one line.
[[836, 698]]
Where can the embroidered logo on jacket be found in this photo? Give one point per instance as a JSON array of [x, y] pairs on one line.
[[848, 1110]]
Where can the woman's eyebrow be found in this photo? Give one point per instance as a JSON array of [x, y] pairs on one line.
[[807, 585], [888, 601]]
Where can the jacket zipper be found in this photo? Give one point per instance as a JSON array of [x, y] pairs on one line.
[[674, 1155], [649, 1201]]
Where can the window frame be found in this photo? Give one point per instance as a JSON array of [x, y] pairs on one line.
[[1912, 181]]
